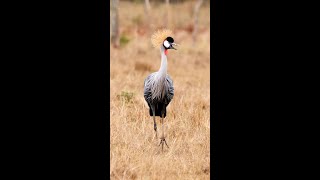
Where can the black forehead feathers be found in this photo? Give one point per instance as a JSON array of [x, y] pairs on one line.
[[170, 39]]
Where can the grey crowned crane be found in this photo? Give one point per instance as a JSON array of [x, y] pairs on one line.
[[158, 86]]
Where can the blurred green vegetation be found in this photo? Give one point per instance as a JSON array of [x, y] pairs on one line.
[[137, 20], [126, 97], [124, 40]]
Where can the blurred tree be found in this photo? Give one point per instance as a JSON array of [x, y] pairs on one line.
[[147, 9], [167, 14], [147, 6], [114, 23], [195, 20]]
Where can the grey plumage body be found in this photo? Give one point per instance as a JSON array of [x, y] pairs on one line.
[[158, 93]]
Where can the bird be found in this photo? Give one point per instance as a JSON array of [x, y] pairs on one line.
[[158, 86]]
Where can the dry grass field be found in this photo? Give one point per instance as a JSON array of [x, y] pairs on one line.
[[134, 150]]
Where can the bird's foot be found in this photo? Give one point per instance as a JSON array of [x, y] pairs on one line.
[[163, 141]]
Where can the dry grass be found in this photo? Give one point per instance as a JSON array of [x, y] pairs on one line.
[[134, 151]]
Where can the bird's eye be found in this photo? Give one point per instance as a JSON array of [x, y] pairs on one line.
[[166, 44]]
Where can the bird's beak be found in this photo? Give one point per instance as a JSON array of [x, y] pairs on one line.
[[173, 44]]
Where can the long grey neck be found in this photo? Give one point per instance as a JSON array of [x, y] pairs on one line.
[[164, 64]]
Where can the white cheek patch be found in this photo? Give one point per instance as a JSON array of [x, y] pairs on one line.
[[166, 44]]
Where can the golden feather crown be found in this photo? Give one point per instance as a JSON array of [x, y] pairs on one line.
[[159, 36]]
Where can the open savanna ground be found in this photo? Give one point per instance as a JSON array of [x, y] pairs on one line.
[[134, 150]]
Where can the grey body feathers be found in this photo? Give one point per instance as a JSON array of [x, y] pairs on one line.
[[158, 92]]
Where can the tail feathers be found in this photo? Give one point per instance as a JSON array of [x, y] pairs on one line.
[[158, 112]]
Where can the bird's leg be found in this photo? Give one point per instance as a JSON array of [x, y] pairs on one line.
[[155, 125], [163, 139], [154, 121]]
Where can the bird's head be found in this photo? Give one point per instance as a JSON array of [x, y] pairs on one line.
[[163, 38], [168, 43]]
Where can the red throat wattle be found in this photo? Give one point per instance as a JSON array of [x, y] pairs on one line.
[[166, 51]]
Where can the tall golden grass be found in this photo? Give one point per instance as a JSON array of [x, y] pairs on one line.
[[134, 150]]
